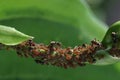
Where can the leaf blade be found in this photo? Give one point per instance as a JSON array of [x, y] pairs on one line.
[[11, 36], [107, 40]]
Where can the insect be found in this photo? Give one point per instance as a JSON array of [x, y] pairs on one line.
[[114, 37], [53, 46]]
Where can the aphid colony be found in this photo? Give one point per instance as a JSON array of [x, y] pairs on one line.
[[54, 54]]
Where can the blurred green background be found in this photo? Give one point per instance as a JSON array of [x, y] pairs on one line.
[[69, 21]]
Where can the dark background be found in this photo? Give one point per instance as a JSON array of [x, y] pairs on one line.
[[106, 10]]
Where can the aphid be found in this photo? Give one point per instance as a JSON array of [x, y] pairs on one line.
[[30, 49], [53, 46], [114, 37], [68, 50], [68, 56], [94, 42], [35, 53], [113, 34], [84, 45], [26, 55], [30, 43], [39, 61], [19, 54]]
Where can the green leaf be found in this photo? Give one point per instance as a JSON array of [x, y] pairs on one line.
[[10, 36], [107, 41], [68, 21], [107, 59], [114, 28], [59, 13]]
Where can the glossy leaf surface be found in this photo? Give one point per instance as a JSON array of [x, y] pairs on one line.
[[10, 36]]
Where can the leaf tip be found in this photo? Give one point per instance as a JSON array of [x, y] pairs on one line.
[[116, 23]]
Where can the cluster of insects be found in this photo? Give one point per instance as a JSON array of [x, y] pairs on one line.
[[54, 54], [115, 50]]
